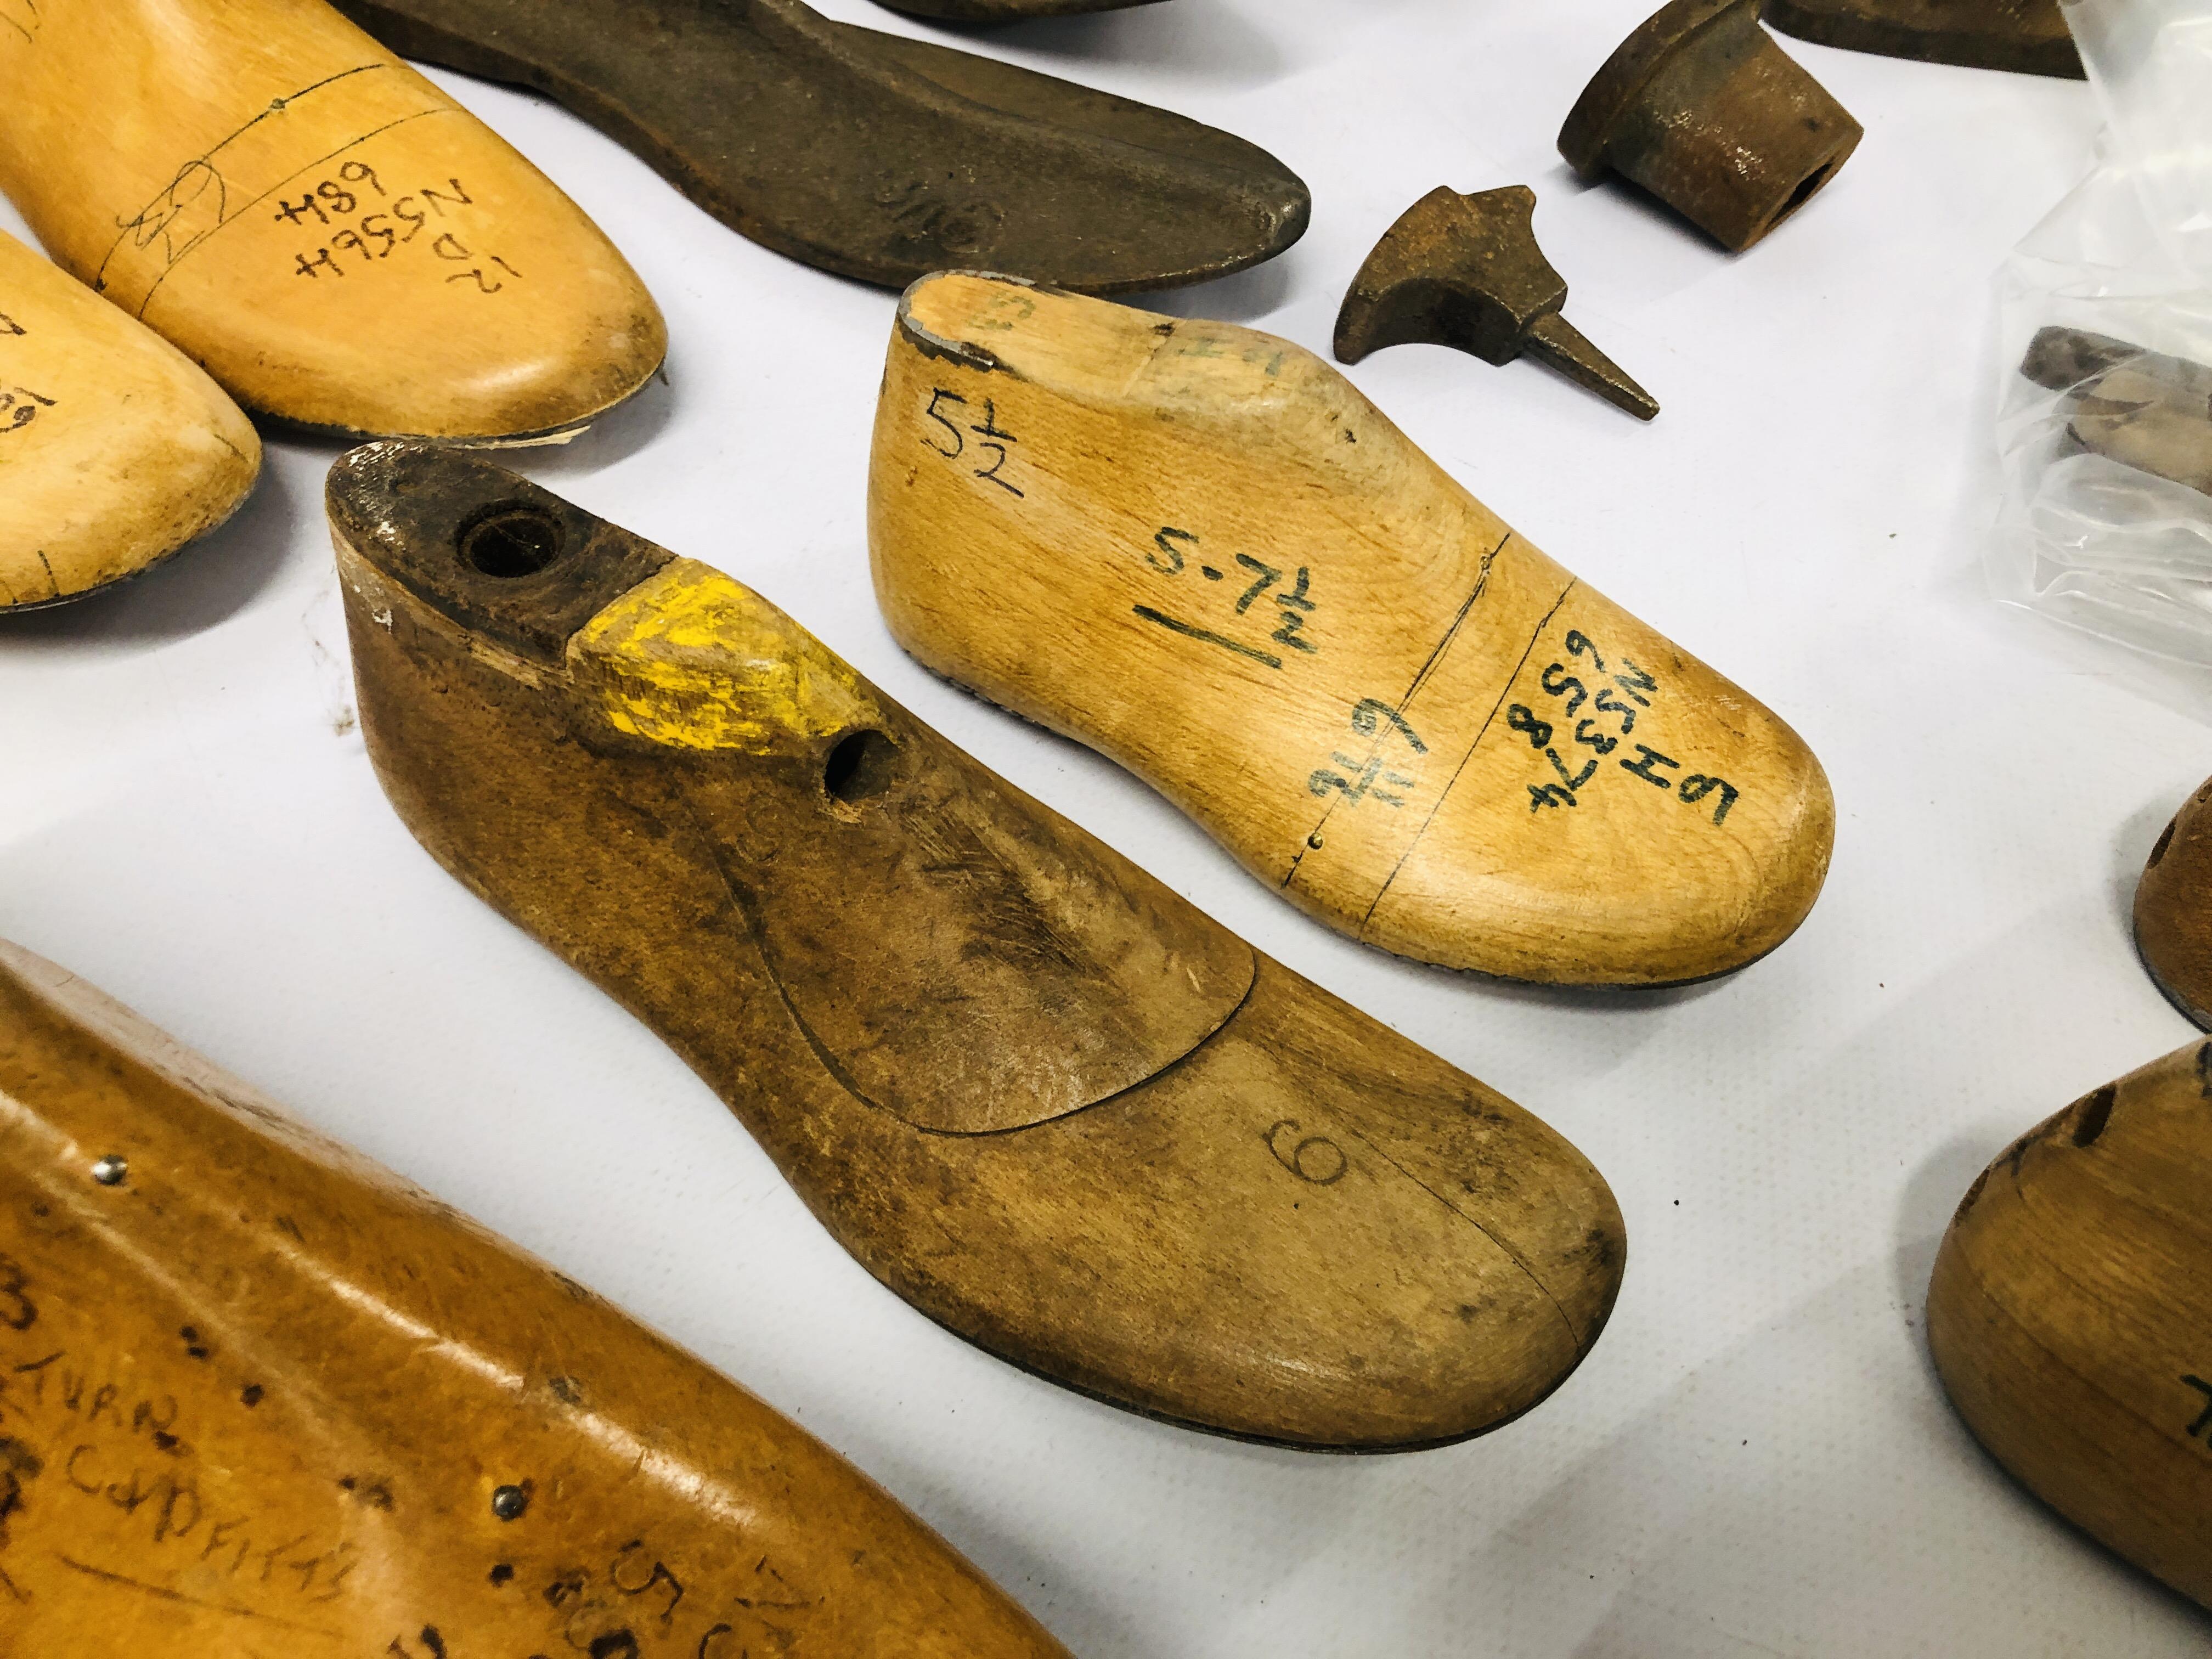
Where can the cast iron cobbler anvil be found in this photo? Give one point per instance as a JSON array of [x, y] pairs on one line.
[[1466, 272], [2027, 36]]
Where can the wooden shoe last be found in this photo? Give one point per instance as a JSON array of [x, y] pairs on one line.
[[2027, 36], [2173, 909], [258, 1397], [332, 237], [115, 451], [1701, 108], [1004, 12], [873, 155], [1200, 550], [2069, 1310], [1032, 1090]]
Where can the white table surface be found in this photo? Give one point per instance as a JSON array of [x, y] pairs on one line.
[[1756, 1458]]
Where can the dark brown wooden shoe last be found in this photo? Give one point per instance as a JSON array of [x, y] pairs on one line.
[[2173, 910], [1035, 1093], [2028, 36], [260, 1398], [335, 241], [1004, 12], [873, 155], [2070, 1315]]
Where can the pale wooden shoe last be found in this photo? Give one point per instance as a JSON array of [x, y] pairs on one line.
[[2068, 1311], [1200, 550], [260, 1398], [115, 451], [335, 240]]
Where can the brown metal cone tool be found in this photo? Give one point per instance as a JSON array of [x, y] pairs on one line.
[[266, 1401], [1701, 107], [2027, 36], [873, 155], [1466, 272]]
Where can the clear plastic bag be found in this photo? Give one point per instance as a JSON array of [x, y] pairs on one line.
[[2104, 415]]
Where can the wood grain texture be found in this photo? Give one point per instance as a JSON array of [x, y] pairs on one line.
[[1005, 11], [1464, 272], [332, 237], [1037, 1094], [1200, 550], [877, 155], [2141, 409], [263, 1398], [115, 450], [2027, 36], [2070, 1315], [2173, 909]]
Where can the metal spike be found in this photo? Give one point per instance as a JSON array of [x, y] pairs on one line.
[[1561, 344]]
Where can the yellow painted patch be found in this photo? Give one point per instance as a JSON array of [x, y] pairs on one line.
[[692, 660]]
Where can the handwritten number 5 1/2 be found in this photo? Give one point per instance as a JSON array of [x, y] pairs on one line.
[[988, 436]]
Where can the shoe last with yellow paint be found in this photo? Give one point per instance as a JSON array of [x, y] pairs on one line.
[[335, 240], [262, 1398], [1200, 550], [115, 451], [1032, 1090]]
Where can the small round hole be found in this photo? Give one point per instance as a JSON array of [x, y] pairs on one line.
[[2091, 1115], [2165, 840], [863, 763], [1811, 182], [509, 541]]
